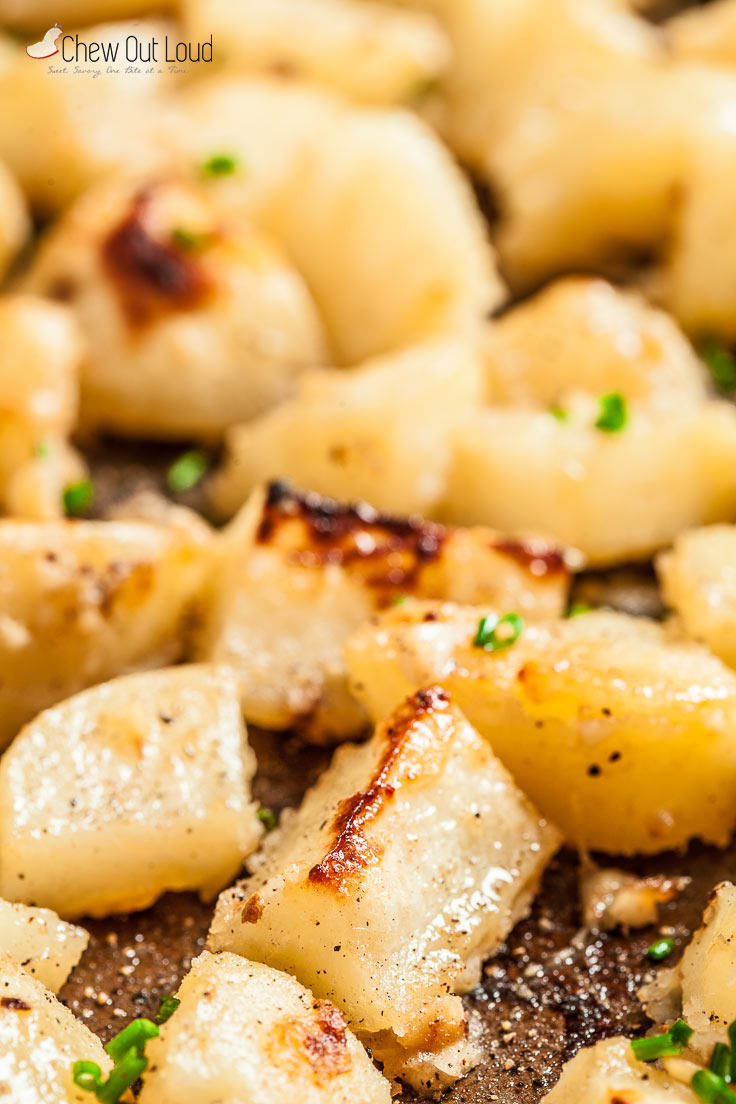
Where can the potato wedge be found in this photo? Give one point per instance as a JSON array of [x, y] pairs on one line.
[[372, 52], [46, 947], [247, 1033], [609, 1071], [537, 456], [380, 432], [39, 1041], [127, 790], [408, 863], [622, 735], [300, 573], [156, 277], [369, 205], [698, 580], [83, 601]]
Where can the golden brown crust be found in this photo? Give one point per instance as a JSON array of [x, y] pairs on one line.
[[540, 558], [414, 751], [321, 1041], [252, 909], [152, 277]]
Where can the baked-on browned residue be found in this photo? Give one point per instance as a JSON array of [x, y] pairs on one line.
[[389, 553], [252, 909], [15, 1004], [417, 739], [152, 276], [539, 557], [321, 1041]]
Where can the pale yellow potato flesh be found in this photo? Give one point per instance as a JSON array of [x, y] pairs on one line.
[[405, 867], [609, 1072], [622, 735], [135, 787], [368, 203], [300, 573], [707, 34], [83, 601], [380, 432], [46, 947], [40, 358], [240, 324], [698, 580], [707, 973], [15, 224], [39, 1043], [247, 1034], [371, 52]]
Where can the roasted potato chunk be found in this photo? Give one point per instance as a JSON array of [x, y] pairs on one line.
[[157, 278], [127, 790], [48, 948], [15, 225], [39, 1041], [380, 432], [698, 580], [40, 358], [83, 601], [409, 862], [707, 34], [706, 973], [543, 455], [301, 573], [621, 734], [247, 1033], [609, 1071], [371, 52]]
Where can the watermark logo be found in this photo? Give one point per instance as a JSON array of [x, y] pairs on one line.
[[47, 47]]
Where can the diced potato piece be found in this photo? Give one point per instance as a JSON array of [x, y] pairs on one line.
[[127, 790], [83, 601], [368, 203], [15, 225], [372, 52], [244, 1032], [67, 129], [156, 277], [698, 580], [409, 862], [707, 33], [617, 496], [302, 573], [707, 972], [39, 1042], [609, 1072], [379, 432], [612, 898], [623, 736], [40, 355], [48, 948]]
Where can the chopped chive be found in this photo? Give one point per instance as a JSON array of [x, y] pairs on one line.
[[711, 1088], [190, 240], [495, 633], [559, 414], [578, 608], [720, 363], [732, 1041], [126, 1072], [186, 471], [77, 497], [87, 1076], [720, 1061], [267, 818], [613, 414], [672, 1042], [41, 450], [680, 1032], [660, 949], [220, 164], [400, 600], [167, 1008], [136, 1034]]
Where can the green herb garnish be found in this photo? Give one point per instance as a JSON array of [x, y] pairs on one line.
[[267, 818], [166, 1009], [613, 414], [136, 1035], [495, 633], [127, 1052], [186, 471], [189, 240], [559, 414], [77, 497], [670, 1043], [578, 608], [660, 949], [220, 164], [711, 1088], [720, 363], [720, 1061], [41, 450]]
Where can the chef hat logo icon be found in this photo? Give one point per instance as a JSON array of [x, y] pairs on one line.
[[46, 47]]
